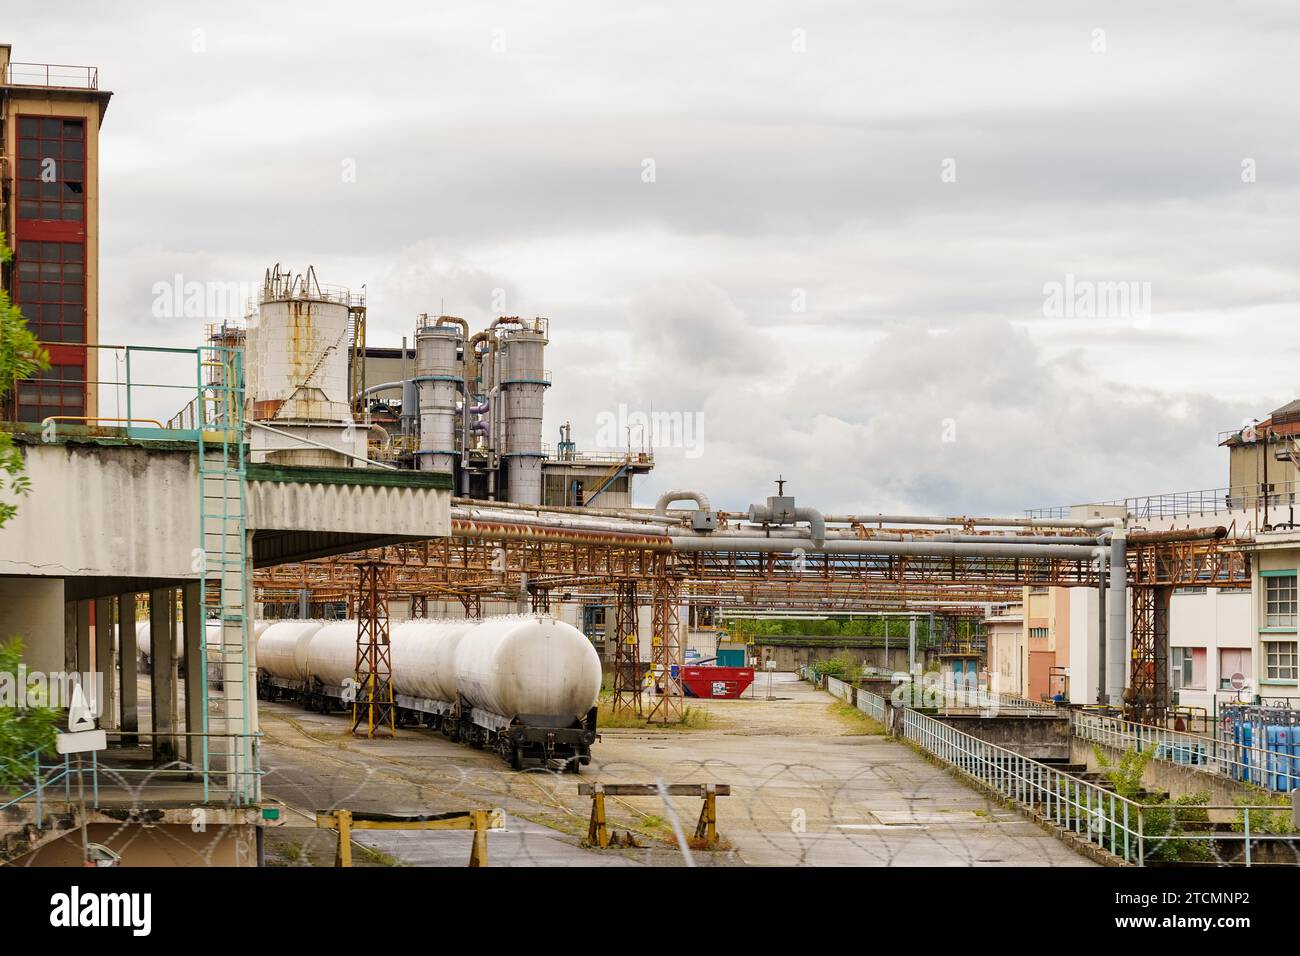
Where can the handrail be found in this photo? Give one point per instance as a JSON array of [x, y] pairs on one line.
[[1260, 766]]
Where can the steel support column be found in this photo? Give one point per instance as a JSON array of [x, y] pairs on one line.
[[666, 648], [373, 704], [627, 650]]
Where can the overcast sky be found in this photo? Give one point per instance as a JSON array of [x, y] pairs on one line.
[[826, 233]]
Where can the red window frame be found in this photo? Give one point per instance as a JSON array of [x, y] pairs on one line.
[[51, 148]]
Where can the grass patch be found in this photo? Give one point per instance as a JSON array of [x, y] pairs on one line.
[[693, 718], [854, 721], [374, 857]]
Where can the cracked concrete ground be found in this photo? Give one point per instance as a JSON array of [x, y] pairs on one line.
[[809, 788]]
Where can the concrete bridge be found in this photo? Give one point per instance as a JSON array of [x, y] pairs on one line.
[[112, 516]]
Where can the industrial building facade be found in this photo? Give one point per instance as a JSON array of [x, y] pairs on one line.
[[50, 117]]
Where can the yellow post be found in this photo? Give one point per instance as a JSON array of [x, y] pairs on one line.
[[344, 856], [597, 831], [478, 853], [708, 825]]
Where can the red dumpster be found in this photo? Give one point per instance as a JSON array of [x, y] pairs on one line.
[[716, 682]]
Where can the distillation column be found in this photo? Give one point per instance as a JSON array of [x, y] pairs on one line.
[[524, 381], [439, 378]]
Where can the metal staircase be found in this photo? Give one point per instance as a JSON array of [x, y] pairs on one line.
[[222, 562], [616, 471]]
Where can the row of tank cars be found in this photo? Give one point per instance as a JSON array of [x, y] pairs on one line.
[[524, 686]]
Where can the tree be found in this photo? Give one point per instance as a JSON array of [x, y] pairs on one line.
[[23, 728]]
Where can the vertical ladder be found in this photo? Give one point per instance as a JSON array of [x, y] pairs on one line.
[[223, 587]]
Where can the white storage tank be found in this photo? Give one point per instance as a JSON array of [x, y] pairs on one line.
[[536, 668], [297, 373]]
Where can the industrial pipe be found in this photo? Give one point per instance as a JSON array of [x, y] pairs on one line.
[[962, 521], [669, 497], [1115, 628], [714, 542], [376, 388]]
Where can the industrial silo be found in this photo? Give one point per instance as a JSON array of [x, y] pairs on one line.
[[523, 381], [439, 379], [297, 381]]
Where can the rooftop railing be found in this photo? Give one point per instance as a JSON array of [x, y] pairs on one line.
[[55, 75], [1203, 501]]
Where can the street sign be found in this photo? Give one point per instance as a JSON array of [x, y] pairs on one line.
[[82, 737]]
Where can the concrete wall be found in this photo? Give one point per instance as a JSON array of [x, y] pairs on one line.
[[791, 658], [32, 609], [110, 511], [1039, 738], [162, 845]]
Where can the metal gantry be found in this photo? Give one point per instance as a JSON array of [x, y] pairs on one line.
[[627, 650], [496, 559], [373, 704]]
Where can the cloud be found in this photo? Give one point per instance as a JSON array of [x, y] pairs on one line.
[[499, 146]]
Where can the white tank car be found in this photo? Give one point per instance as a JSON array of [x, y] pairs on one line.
[[510, 666], [530, 667], [282, 648], [424, 657], [143, 647]]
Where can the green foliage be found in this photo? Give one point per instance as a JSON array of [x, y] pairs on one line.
[[20, 357], [1163, 821], [870, 627], [841, 666], [1125, 777], [1265, 821], [22, 729]]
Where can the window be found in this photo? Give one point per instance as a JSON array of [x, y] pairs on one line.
[[1279, 600], [51, 168], [51, 289], [1187, 668], [1189, 590], [1280, 659], [59, 390], [1038, 632], [1233, 661]]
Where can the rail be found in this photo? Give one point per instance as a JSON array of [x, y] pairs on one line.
[[60, 75], [1201, 501], [42, 779], [136, 398], [1276, 770], [955, 695], [1134, 831]]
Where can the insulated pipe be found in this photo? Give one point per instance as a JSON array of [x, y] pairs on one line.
[[1074, 552], [961, 521], [377, 388], [540, 511], [454, 320], [669, 497], [1115, 630], [816, 524], [844, 535], [1101, 628], [762, 514]]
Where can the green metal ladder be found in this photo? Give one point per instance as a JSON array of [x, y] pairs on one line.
[[222, 560]]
